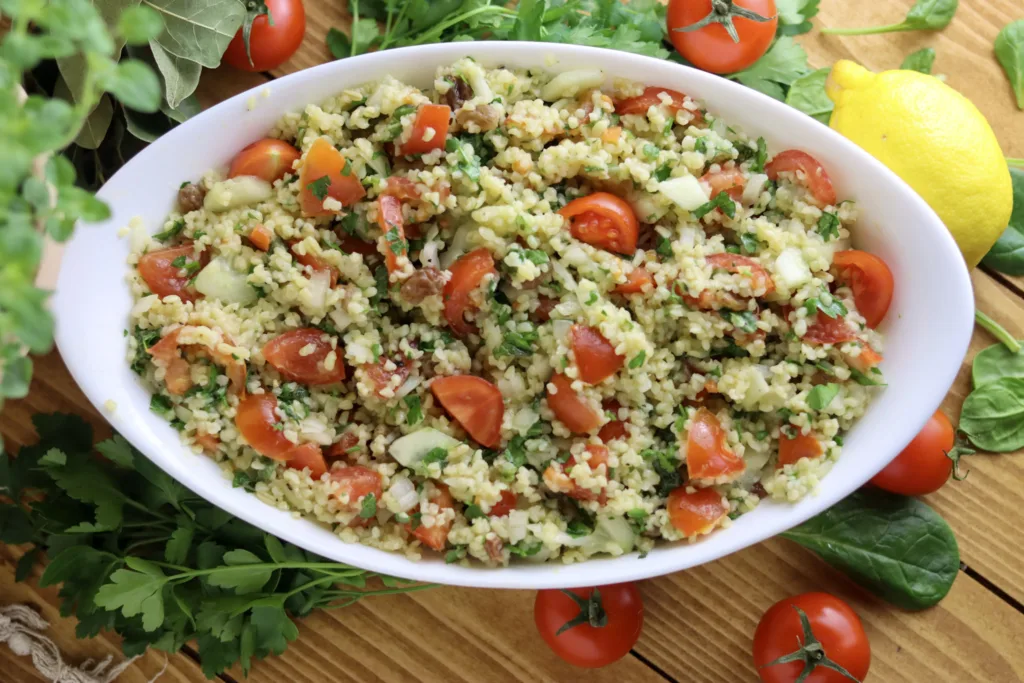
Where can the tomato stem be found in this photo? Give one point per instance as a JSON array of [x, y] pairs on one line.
[[997, 331], [961, 447], [1015, 162], [253, 9], [591, 612], [866, 31], [811, 653], [723, 12]]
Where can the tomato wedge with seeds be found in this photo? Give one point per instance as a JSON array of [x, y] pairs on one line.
[[315, 262], [595, 356], [505, 505], [871, 281], [433, 116], [730, 181], [382, 377], [290, 355], [604, 221], [269, 159], [815, 177], [357, 482], [569, 408], [794, 449], [256, 419], [708, 456], [323, 160], [475, 403], [166, 279], [391, 242], [435, 537], [467, 274], [307, 455], [826, 330], [695, 513], [651, 97], [616, 429], [637, 280]]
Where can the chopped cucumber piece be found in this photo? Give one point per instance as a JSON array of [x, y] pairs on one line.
[[411, 448]]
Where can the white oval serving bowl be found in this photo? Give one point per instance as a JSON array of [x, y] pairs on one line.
[[928, 327]]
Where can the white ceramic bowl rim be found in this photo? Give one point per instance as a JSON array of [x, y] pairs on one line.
[[928, 327]]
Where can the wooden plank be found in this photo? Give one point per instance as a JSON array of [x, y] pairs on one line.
[[444, 634], [699, 625], [17, 669]]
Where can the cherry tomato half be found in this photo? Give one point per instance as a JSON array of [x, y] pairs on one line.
[[435, 537], [169, 272], [257, 420], [289, 354], [505, 505], [871, 281], [429, 117], [587, 644], [315, 262], [603, 220], [467, 274], [637, 280], [616, 429], [383, 379], [833, 623], [794, 449], [826, 330], [270, 46], [322, 162], [923, 466], [729, 181], [808, 170], [652, 97], [696, 512], [308, 455], [568, 407], [711, 48], [268, 159], [391, 243], [357, 482], [595, 356], [475, 403], [708, 456]]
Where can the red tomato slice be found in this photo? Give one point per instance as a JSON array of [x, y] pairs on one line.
[[800, 446], [695, 513], [867, 359], [166, 279], [210, 443], [708, 456], [178, 373], [358, 482], [743, 265], [289, 355], [260, 237], [603, 220], [504, 506], [269, 159], [435, 116], [381, 377], [307, 455], [256, 420], [467, 273], [315, 262], [637, 280], [401, 188], [342, 448], [871, 281], [568, 407], [475, 403], [595, 356], [651, 98], [391, 242], [616, 429], [813, 173], [323, 160], [826, 330], [729, 181], [435, 537]]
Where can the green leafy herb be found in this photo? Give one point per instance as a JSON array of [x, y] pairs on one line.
[[776, 71], [828, 226], [394, 124], [795, 16], [438, 454], [319, 187], [741, 320], [162, 406], [895, 546], [760, 156], [664, 248], [536, 256], [415, 415], [517, 344], [925, 15], [368, 508], [865, 380], [827, 304], [455, 554], [921, 61], [467, 162], [1007, 254], [473, 511], [994, 363], [662, 173], [993, 415], [171, 232], [526, 548], [721, 201], [807, 94], [749, 243], [821, 396], [637, 360], [1009, 47]]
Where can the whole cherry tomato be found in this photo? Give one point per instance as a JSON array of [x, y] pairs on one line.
[[590, 627], [722, 41], [274, 35], [923, 466], [871, 281]]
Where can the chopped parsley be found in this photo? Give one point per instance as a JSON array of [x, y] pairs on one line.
[[143, 340], [395, 242], [438, 454], [827, 304], [662, 173], [721, 201], [760, 157], [394, 125], [865, 380], [368, 508], [473, 511], [415, 414], [828, 226], [701, 145], [638, 360], [455, 554], [536, 256], [528, 547], [319, 187], [667, 467], [664, 247], [162, 406], [821, 396], [516, 451], [741, 320], [176, 228], [380, 278], [190, 266], [749, 243], [517, 344], [651, 151], [592, 299], [467, 161], [291, 395]]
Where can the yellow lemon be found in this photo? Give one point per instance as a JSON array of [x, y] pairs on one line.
[[936, 140]]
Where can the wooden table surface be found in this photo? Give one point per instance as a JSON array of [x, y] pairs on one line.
[[699, 623]]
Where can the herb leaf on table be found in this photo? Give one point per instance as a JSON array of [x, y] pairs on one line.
[[1007, 254], [994, 363], [1009, 47], [921, 61], [993, 415], [895, 546], [807, 94], [925, 15], [776, 71]]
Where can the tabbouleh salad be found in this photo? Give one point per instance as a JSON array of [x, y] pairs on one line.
[[515, 315]]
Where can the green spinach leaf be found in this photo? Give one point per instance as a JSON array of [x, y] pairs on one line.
[[922, 61], [895, 546], [808, 95], [1007, 254], [993, 415], [994, 363], [1009, 47], [925, 15]]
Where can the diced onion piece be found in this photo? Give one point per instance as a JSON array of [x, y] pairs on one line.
[[428, 255], [686, 192], [404, 493], [609, 533], [571, 83], [319, 284], [560, 328], [233, 192], [790, 269], [411, 383], [312, 429], [475, 76], [411, 448], [752, 191], [459, 245], [220, 281]]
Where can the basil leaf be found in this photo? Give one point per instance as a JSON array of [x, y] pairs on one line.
[[922, 61], [1007, 254], [993, 415], [821, 396], [994, 363], [895, 546], [1009, 47], [808, 95]]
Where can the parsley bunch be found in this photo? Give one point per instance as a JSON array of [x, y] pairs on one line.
[[138, 553]]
